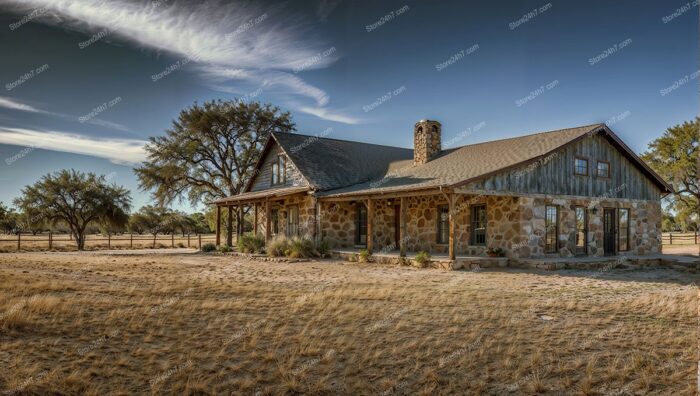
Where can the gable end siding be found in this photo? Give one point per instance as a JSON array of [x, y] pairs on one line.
[[263, 180], [555, 175]]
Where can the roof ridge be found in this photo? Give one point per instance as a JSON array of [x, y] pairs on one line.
[[345, 140], [524, 136]]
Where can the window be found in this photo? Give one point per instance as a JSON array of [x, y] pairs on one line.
[[581, 229], [603, 169], [623, 244], [443, 224], [274, 221], [581, 166], [478, 235], [292, 221], [551, 229], [361, 225], [279, 171]]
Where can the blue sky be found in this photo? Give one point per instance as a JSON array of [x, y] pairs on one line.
[[86, 82]]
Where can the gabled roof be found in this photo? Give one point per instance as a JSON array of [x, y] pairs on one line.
[[335, 168], [469, 163], [328, 164]]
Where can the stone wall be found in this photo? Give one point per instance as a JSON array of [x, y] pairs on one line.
[[515, 224], [338, 223], [644, 227]]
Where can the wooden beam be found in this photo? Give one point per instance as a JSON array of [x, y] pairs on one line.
[[402, 222], [451, 214], [218, 225], [229, 226], [431, 191], [255, 219], [370, 217], [268, 214], [240, 222]]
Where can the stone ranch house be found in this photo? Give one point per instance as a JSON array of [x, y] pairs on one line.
[[571, 192]]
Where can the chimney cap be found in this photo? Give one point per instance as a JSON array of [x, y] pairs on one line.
[[424, 120]]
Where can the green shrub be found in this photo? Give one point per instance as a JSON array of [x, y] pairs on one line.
[[352, 258], [208, 247], [277, 247], [225, 248], [323, 248], [364, 256], [422, 258], [248, 243], [300, 247]]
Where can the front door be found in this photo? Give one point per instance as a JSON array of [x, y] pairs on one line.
[[609, 231]]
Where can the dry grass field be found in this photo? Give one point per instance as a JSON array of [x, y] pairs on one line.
[[100, 324]]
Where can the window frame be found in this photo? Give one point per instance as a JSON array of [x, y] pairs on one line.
[[274, 221], [292, 223], [597, 169], [443, 225], [547, 229], [279, 171], [473, 222], [626, 228], [581, 250], [588, 165]]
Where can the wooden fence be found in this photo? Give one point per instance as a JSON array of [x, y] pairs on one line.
[[688, 238], [52, 241]]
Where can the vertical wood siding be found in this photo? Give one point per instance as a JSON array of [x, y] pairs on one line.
[[263, 180], [555, 175]]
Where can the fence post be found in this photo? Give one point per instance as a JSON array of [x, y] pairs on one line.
[[200, 241], [131, 240], [696, 237], [670, 236], [19, 238], [188, 240], [109, 240], [172, 239], [50, 240]]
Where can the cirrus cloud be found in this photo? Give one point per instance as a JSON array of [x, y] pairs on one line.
[[228, 41]]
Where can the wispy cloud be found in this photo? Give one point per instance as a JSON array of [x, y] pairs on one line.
[[13, 104], [227, 40], [329, 115], [118, 151]]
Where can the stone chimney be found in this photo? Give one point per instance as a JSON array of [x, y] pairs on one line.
[[426, 141]]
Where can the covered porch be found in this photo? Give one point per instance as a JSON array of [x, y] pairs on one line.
[[439, 221], [266, 206]]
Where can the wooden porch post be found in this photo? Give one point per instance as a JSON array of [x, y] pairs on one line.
[[370, 217], [229, 226], [218, 225], [239, 222], [402, 223], [268, 213], [255, 219], [451, 216]]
